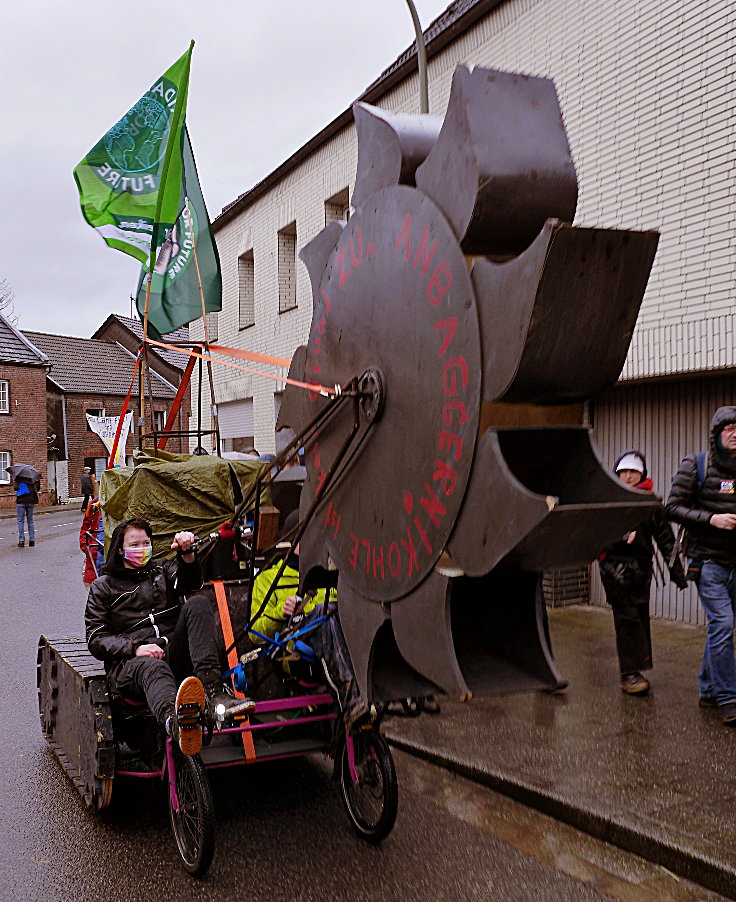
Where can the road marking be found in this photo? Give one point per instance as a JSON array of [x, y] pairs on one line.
[[59, 525]]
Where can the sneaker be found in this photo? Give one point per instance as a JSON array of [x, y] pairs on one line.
[[728, 714], [707, 701], [186, 724], [21, 544], [31, 543], [431, 705], [634, 684], [222, 704]]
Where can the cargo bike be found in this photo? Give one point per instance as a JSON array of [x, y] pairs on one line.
[[101, 739]]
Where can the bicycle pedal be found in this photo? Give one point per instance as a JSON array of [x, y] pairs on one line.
[[189, 715]]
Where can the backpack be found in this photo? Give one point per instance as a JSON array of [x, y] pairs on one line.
[[692, 567], [23, 490]]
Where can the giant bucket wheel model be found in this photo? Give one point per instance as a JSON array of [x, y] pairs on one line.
[[470, 321]]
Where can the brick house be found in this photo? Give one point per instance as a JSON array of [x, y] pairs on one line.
[[23, 369], [93, 376]]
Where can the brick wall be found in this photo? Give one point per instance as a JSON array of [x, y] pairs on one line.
[[23, 430], [82, 444]]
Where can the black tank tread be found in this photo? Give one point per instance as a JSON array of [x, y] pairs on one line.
[[76, 717]]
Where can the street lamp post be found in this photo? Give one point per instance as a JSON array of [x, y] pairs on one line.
[[422, 59]]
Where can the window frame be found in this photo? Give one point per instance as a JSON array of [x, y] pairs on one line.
[[6, 383], [5, 478]]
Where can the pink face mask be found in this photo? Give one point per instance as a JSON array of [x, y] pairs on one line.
[[138, 557]]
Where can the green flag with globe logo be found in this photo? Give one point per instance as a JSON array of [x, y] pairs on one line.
[[130, 183], [189, 246]]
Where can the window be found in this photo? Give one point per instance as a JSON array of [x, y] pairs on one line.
[[246, 291], [337, 207], [94, 412], [4, 396], [212, 330], [5, 461], [159, 420], [287, 267], [235, 422]]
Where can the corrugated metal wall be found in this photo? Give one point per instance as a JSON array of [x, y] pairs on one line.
[[666, 420]]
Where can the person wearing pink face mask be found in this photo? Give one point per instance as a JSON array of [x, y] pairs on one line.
[[157, 640]]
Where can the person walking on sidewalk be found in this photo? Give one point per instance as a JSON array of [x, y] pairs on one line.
[[703, 500], [26, 498], [88, 489], [626, 570]]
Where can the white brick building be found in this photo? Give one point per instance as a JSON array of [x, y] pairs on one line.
[[648, 92]]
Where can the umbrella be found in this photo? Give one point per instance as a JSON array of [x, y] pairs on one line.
[[24, 471]]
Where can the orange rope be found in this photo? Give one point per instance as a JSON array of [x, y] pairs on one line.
[[313, 387]]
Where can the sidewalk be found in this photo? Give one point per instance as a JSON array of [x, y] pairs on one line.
[[654, 775], [7, 513]]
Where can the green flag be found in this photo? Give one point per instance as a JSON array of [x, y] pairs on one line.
[[130, 182], [175, 299]]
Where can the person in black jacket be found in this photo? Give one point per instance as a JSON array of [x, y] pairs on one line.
[[626, 570], [26, 498], [150, 635], [708, 512], [88, 490]]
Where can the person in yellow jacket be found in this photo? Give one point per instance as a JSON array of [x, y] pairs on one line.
[[326, 640], [282, 601]]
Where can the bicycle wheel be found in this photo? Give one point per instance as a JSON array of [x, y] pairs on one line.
[[193, 825], [372, 801]]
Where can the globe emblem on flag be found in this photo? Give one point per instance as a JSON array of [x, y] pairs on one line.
[[137, 142]]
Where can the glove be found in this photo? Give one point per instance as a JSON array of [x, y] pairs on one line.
[[678, 577]]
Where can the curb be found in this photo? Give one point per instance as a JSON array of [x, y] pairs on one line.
[[681, 860], [7, 514]]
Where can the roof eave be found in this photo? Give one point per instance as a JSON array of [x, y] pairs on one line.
[[371, 95]]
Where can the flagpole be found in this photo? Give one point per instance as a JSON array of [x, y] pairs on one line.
[[144, 363], [215, 423]]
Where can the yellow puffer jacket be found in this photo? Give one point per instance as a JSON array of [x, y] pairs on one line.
[[272, 620]]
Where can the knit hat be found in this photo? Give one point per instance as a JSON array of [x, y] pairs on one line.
[[631, 460]]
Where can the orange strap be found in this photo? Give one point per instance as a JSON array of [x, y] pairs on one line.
[[232, 657], [253, 356], [313, 387]]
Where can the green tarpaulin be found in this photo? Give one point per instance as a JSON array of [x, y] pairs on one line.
[[176, 492]]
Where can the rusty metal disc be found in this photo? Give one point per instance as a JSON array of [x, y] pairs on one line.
[[396, 310]]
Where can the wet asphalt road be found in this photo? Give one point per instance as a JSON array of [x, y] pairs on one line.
[[282, 833]]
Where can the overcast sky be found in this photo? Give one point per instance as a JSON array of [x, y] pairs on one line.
[[265, 77]]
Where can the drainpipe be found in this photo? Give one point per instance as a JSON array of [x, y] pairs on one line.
[[422, 59]]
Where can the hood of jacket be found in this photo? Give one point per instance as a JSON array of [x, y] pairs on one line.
[[722, 417]]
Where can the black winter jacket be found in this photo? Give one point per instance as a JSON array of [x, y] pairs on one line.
[[134, 607], [694, 508]]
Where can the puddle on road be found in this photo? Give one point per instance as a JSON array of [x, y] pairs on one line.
[[597, 864]]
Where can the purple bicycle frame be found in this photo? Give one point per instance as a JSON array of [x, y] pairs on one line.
[[316, 700]]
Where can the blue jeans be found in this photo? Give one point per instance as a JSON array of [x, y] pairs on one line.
[[717, 590], [328, 643], [25, 511]]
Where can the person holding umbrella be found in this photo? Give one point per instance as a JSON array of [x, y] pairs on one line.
[[26, 482]]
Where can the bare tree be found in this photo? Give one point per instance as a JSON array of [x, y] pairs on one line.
[[7, 301]]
